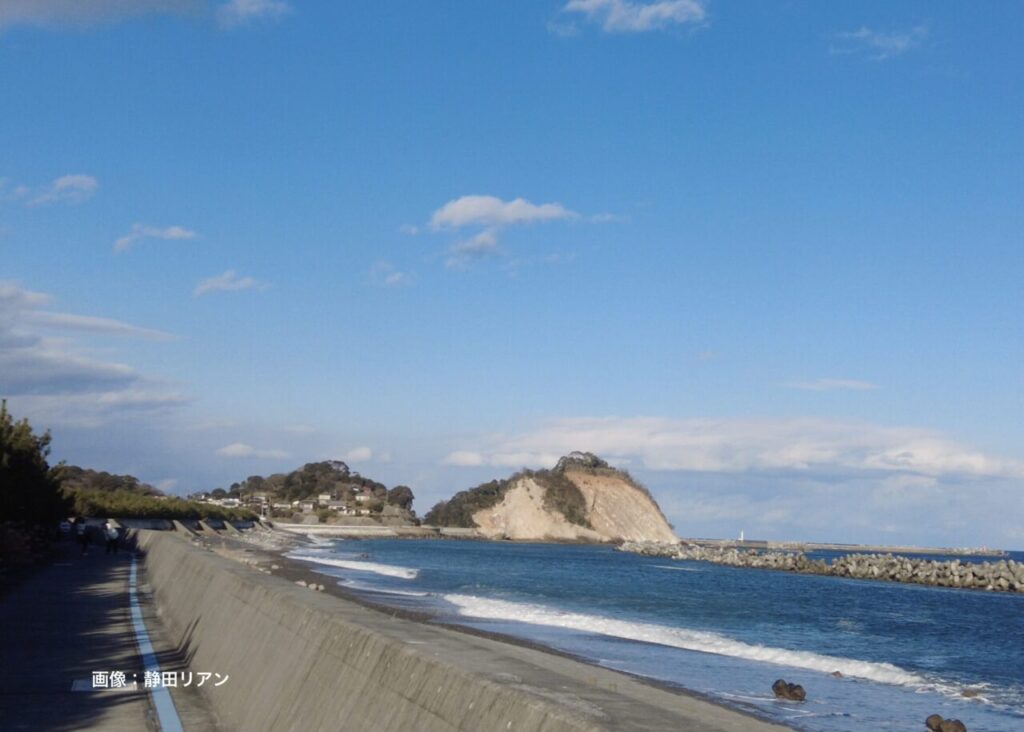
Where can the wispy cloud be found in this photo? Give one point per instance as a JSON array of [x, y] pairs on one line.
[[92, 324], [239, 12], [94, 409], [166, 485], [833, 385], [59, 379], [625, 16], [242, 450], [804, 445], [140, 232], [385, 273], [82, 13], [880, 45], [464, 459], [228, 282], [71, 188], [483, 243], [359, 455], [56, 13], [475, 210], [490, 214], [33, 364]]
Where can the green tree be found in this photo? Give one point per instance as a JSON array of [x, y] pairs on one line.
[[401, 496], [29, 490]]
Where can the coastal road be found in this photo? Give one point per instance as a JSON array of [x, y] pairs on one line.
[[63, 624]]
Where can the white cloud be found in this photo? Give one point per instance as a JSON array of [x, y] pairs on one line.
[[34, 364], [485, 241], [492, 211], [481, 244], [409, 229], [166, 485], [227, 282], [72, 188], [239, 12], [242, 450], [491, 214], [464, 458], [213, 425], [58, 13], [139, 232], [16, 299], [833, 385], [624, 16], [49, 13], [385, 273], [106, 326], [800, 445], [140, 399], [92, 409], [881, 45], [359, 455]]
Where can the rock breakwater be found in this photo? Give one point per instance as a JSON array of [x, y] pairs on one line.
[[1001, 576]]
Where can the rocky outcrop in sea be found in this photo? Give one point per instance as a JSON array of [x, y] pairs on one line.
[[1002, 576]]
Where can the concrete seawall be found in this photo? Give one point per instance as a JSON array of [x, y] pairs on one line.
[[301, 660]]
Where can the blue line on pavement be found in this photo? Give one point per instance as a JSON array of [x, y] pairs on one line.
[[166, 714]]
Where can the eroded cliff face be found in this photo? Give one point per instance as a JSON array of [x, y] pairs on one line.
[[615, 508], [618, 510], [521, 515]]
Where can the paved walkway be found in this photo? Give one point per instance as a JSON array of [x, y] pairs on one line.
[[60, 626]]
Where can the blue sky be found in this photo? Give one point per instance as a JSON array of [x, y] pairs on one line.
[[767, 257]]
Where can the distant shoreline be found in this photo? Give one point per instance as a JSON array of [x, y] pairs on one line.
[[446, 532], [810, 546]]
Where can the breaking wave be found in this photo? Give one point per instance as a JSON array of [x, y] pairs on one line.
[[386, 570], [690, 640]]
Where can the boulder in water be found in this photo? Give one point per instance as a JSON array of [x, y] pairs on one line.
[[937, 724], [785, 690]]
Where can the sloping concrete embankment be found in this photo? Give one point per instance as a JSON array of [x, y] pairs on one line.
[[300, 660]]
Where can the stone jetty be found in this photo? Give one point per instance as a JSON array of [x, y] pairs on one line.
[[1001, 576]]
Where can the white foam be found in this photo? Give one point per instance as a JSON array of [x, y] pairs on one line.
[[690, 640], [355, 585], [678, 569], [383, 569], [318, 540]]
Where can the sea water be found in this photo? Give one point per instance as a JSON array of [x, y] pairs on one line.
[[902, 652]]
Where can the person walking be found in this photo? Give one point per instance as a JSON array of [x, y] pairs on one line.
[[111, 535], [82, 535]]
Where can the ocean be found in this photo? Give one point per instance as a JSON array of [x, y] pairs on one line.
[[903, 651]]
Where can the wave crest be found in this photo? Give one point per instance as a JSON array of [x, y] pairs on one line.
[[690, 640], [386, 570]]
